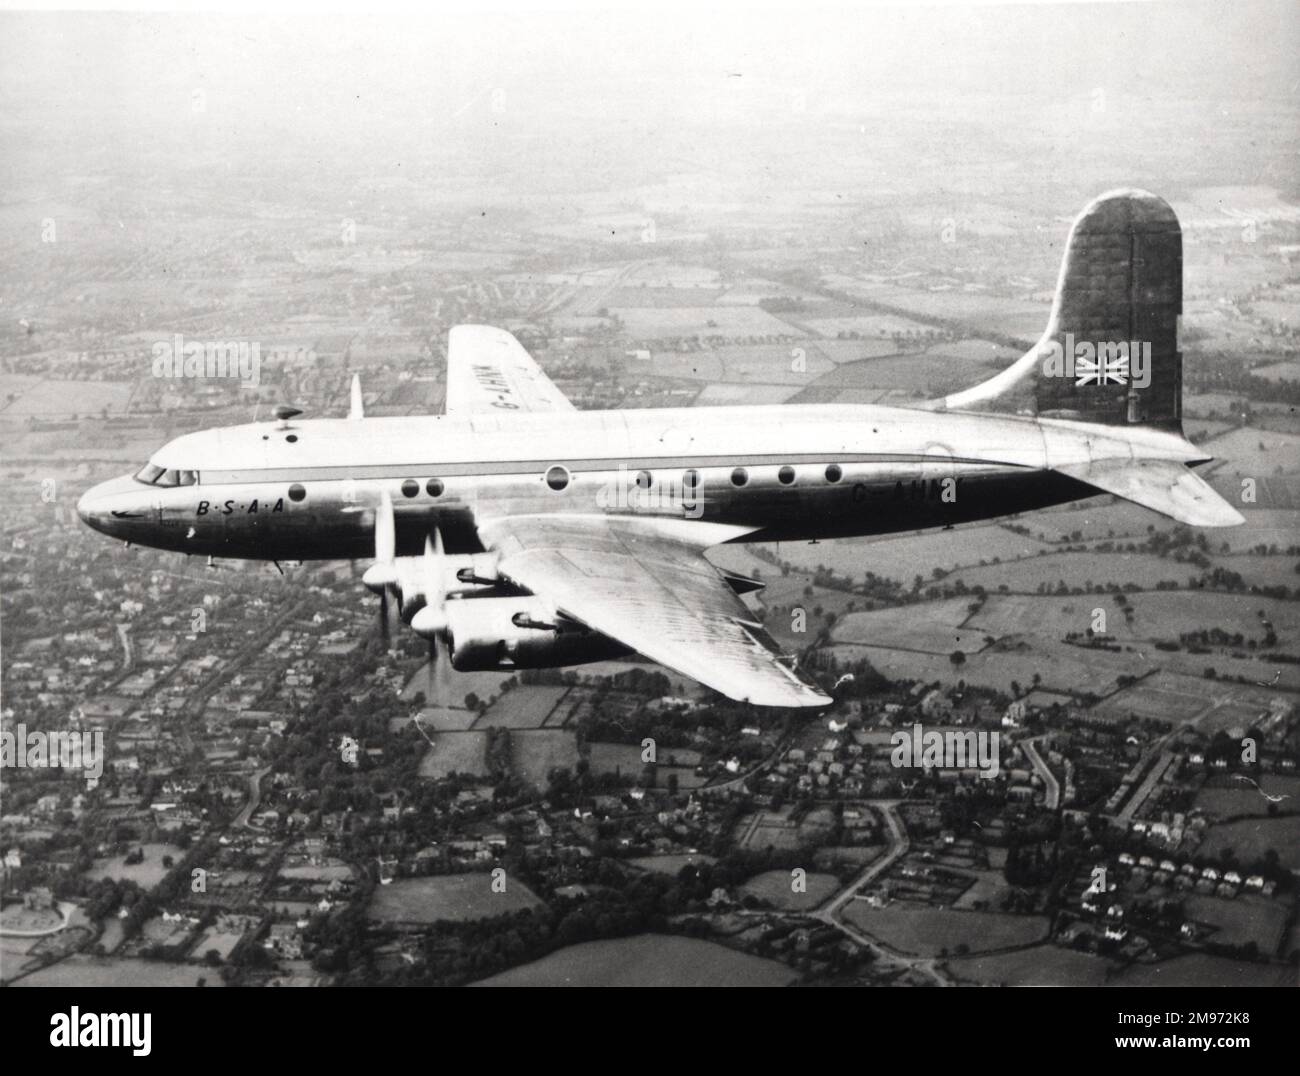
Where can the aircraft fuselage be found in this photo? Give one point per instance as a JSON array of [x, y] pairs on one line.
[[307, 489]]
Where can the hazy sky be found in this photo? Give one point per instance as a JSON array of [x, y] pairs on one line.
[[679, 62]]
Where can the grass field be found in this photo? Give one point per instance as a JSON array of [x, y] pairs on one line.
[[80, 971], [670, 864], [1042, 965], [536, 752], [458, 897], [927, 931], [1228, 797], [647, 960], [930, 627], [774, 887], [146, 874], [1240, 920], [522, 708], [455, 752], [1251, 838], [1202, 970]]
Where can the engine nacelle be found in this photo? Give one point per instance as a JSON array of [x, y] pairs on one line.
[[468, 573], [519, 633]]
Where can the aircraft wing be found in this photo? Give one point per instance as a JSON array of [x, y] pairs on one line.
[[488, 369], [649, 586]]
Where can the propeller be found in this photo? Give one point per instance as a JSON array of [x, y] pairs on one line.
[[381, 577], [431, 621]]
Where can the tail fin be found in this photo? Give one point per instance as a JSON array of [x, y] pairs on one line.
[[1110, 352]]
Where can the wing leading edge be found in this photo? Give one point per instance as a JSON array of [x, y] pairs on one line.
[[489, 370], [656, 593]]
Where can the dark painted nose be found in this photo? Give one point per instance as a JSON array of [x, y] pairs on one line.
[[112, 506]]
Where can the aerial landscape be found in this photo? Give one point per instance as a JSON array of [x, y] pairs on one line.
[[704, 216]]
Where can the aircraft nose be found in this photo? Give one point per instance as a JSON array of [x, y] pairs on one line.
[[107, 506]]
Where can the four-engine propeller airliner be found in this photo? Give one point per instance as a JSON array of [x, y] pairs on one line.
[[520, 532]]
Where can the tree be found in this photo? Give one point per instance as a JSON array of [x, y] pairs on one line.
[[958, 659]]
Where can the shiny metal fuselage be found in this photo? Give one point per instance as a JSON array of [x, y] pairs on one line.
[[308, 489]]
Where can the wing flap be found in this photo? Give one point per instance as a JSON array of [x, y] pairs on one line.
[[489, 370], [657, 595], [1164, 486]]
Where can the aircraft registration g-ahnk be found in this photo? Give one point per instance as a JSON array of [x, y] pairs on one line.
[[520, 532]]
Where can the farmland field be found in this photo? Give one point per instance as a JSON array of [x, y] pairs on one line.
[[1085, 570], [647, 960], [459, 897], [651, 323], [927, 931], [900, 558]]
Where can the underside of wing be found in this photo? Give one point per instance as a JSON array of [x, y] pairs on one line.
[[654, 592], [1165, 486], [489, 370]]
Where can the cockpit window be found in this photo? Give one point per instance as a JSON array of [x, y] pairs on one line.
[[153, 475]]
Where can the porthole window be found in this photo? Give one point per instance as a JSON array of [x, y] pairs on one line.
[[785, 475], [691, 479], [292, 438], [557, 477], [643, 479], [410, 487], [834, 473], [434, 487], [297, 492], [739, 476]]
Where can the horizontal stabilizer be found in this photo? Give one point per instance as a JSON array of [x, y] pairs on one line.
[[1164, 486]]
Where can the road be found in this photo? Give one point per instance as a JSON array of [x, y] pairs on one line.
[[254, 799], [830, 912], [1050, 784]]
